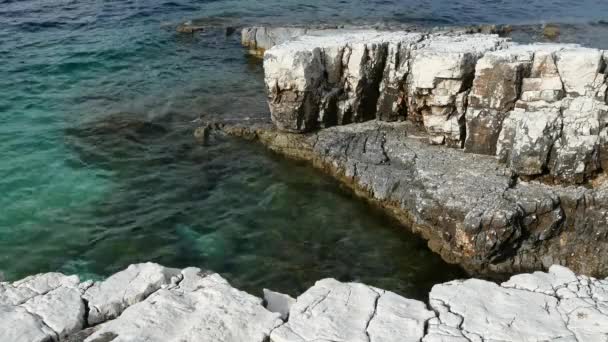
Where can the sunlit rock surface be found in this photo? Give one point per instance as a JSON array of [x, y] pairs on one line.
[[476, 91], [201, 306]]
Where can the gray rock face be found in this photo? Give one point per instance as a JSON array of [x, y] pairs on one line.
[[468, 206], [478, 91], [553, 306]]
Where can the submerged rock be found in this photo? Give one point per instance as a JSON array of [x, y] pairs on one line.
[[202, 306], [188, 28]]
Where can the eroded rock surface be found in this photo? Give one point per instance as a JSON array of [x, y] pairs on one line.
[[44, 307], [335, 311], [107, 299], [470, 207], [202, 306], [554, 306], [476, 91]]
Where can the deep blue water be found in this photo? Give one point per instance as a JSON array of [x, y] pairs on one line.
[[84, 189]]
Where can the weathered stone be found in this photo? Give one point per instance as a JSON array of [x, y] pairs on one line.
[[107, 299], [65, 321], [278, 302], [44, 307], [18, 325], [202, 307], [496, 88], [327, 79], [579, 70], [575, 155], [527, 139], [442, 69], [334, 311], [260, 38]]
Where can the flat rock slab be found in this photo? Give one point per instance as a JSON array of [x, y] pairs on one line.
[[554, 306], [44, 307], [335, 311], [202, 307], [107, 299]]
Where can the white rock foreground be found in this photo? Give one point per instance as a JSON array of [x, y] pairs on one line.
[[149, 302]]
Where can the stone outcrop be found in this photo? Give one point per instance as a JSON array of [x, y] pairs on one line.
[[554, 306], [469, 207], [202, 306], [541, 108]]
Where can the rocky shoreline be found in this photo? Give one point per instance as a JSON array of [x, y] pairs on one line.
[[490, 150], [149, 302]]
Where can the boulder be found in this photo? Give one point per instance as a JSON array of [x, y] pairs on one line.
[[202, 306]]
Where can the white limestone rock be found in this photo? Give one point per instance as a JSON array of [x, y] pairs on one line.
[[527, 138], [442, 69], [43, 307], [25, 289], [575, 155], [332, 77], [260, 38], [335, 311], [278, 302], [18, 325], [107, 299], [62, 310], [496, 88], [202, 307], [579, 69], [553, 306]]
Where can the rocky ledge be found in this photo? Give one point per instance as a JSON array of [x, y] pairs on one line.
[[149, 302], [523, 186], [540, 108]]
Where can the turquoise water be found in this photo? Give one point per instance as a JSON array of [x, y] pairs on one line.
[[87, 188]]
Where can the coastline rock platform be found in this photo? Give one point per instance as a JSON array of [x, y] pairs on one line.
[[149, 302], [492, 151]]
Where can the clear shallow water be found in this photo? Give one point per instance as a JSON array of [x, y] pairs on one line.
[[83, 199]]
